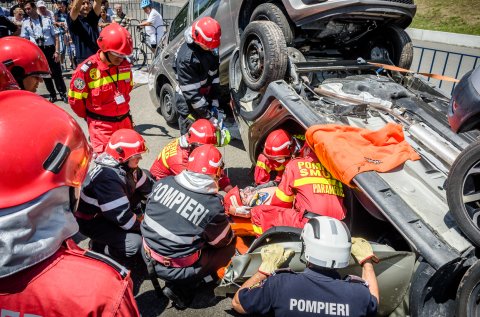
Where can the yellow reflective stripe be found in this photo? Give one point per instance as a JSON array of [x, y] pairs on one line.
[[263, 166], [77, 95], [164, 160], [316, 180], [283, 197], [108, 79], [257, 230], [280, 168]]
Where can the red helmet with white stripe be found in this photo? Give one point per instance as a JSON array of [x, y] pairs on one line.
[[124, 144], [206, 159], [44, 146], [278, 144], [202, 131], [207, 31]]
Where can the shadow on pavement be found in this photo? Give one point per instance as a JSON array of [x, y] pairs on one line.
[[150, 305], [142, 128]]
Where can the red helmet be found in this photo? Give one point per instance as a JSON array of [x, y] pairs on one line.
[[7, 82], [124, 144], [278, 144], [115, 39], [45, 148], [206, 159], [23, 58], [207, 31], [202, 131]]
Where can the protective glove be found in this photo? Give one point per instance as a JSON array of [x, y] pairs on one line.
[[273, 257], [362, 251], [223, 137]]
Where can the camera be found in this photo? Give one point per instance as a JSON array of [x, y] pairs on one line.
[[40, 41]]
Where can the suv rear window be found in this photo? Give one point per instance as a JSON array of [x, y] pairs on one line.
[[179, 23]]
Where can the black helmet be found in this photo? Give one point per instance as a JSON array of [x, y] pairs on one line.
[[464, 111]]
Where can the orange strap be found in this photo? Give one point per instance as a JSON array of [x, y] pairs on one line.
[[404, 70]]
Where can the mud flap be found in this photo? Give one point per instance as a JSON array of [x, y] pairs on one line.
[[393, 272]]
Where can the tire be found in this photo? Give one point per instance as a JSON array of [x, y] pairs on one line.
[[390, 42], [463, 184], [468, 293], [271, 12], [167, 104], [138, 58], [263, 54]]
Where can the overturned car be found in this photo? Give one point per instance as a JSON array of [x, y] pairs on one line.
[[422, 217]]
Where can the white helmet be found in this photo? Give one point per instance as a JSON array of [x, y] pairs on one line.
[[327, 242]]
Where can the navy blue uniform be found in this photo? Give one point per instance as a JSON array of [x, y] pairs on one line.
[[198, 84], [109, 204], [309, 294], [180, 222]]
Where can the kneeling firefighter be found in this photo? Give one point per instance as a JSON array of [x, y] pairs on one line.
[[110, 203], [187, 236]]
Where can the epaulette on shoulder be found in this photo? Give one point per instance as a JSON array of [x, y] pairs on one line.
[[85, 67], [123, 271], [284, 270], [356, 279]]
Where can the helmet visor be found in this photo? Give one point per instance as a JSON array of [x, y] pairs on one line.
[[117, 54]]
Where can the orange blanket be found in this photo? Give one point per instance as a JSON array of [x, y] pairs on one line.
[[347, 151]]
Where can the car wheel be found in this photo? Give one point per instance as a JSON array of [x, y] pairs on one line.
[[263, 54], [463, 192], [391, 43], [271, 12], [468, 293], [167, 104]]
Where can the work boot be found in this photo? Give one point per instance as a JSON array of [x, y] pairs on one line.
[[180, 298], [64, 98], [52, 98]]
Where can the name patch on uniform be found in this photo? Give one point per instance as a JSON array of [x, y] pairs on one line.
[[94, 74], [188, 207], [317, 307], [79, 83], [86, 66]]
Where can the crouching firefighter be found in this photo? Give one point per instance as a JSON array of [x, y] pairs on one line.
[[196, 69], [187, 236], [110, 203]]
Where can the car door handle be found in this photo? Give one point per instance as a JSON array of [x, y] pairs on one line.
[[166, 56]]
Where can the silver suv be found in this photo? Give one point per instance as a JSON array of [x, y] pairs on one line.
[[372, 29]]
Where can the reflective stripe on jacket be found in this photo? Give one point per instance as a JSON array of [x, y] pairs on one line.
[[95, 85]]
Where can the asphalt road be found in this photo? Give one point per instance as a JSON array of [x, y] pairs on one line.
[[157, 134]]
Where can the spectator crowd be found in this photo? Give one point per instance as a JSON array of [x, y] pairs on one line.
[[67, 34]]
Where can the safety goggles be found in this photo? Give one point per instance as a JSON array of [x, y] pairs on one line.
[[118, 55]]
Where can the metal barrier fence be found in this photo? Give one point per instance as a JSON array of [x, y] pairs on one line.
[[447, 63]]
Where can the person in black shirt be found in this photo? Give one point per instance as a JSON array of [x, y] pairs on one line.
[[6, 26], [83, 26]]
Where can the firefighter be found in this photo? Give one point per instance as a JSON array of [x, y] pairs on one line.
[[42, 271], [187, 236], [276, 154], [307, 189], [174, 157], [7, 82], [196, 68], [101, 85], [25, 61], [110, 208], [319, 290]]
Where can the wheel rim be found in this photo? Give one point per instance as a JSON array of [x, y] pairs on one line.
[[471, 194], [254, 58], [473, 305], [167, 103]]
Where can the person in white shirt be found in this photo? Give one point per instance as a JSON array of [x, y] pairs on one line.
[[154, 25], [43, 11]]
